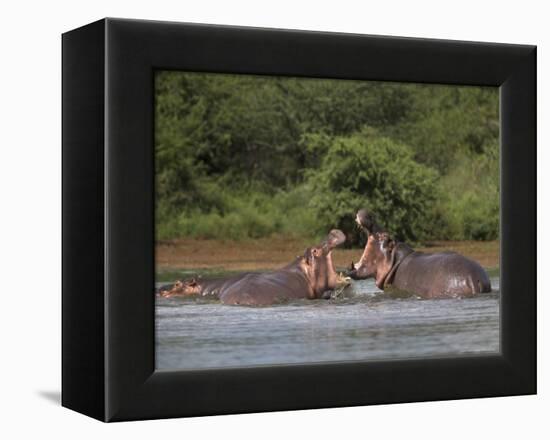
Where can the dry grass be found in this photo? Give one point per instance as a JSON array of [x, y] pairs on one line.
[[272, 253]]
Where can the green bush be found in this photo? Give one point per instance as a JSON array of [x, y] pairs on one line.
[[243, 214], [368, 170]]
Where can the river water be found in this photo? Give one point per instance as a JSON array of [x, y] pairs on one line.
[[366, 324]]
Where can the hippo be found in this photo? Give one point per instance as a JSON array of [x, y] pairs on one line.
[[396, 266], [310, 276]]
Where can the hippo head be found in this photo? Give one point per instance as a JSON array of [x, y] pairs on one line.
[[182, 288], [365, 220], [377, 259], [317, 264]]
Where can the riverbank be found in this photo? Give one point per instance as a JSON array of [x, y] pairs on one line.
[[273, 253]]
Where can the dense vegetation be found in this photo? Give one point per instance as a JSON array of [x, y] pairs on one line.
[[246, 156]]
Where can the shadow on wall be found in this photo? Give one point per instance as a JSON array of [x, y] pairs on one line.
[[52, 396]]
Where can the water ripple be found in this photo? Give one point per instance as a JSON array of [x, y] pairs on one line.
[[364, 325]]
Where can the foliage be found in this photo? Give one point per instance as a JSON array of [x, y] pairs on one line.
[[243, 214], [470, 198], [243, 156], [449, 121], [367, 170]]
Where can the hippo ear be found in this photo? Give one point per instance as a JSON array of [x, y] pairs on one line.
[[385, 269], [393, 252], [389, 248]]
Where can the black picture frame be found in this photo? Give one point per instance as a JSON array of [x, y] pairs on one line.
[[108, 221]]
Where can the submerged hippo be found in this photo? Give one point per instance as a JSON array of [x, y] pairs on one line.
[[396, 265], [309, 276]]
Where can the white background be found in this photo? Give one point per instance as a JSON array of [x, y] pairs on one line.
[[30, 186]]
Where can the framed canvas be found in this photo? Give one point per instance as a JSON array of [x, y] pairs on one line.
[[113, 74]]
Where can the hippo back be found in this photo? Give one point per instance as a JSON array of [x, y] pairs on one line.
[[444, 274], [265, 288]]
